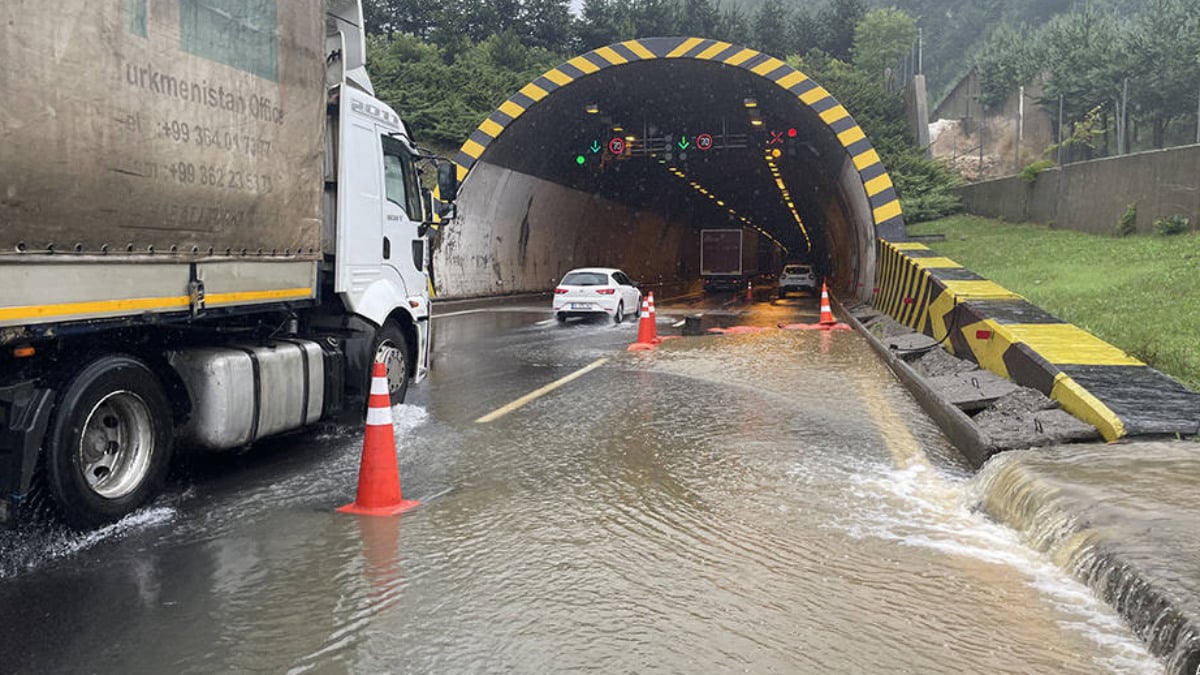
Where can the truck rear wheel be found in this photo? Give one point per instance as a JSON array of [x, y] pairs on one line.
[[391, 349], [109, 443]]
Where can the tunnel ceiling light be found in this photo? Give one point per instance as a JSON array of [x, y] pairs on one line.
[[787, 198], [592, 108], [618, 129], [698, 188], [756, 122], [750, 102], [631, 138]]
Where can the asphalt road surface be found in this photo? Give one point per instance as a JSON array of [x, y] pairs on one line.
[[767, 501]]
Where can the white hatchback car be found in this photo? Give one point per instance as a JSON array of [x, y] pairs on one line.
[[797, 278], [593, 290]]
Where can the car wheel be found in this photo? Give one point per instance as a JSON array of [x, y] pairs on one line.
[[782, 293], [391, 349], [110, 442], [560, 317], [620, 313]]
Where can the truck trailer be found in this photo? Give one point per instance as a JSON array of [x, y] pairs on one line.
[[728, 258], [210, 228]]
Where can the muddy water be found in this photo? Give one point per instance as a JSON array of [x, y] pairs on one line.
[[1124, 519], [753, 503]]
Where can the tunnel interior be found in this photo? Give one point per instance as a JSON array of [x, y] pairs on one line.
[[618, 161]]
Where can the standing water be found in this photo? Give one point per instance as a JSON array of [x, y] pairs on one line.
[[757, 503]]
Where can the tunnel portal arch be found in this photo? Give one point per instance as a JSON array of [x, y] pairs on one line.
[[870, 197]]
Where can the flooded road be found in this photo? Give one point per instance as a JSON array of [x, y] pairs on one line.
[[769, 503]]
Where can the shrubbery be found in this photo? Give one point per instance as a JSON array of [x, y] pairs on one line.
[[1176, 224], [1127, 225]]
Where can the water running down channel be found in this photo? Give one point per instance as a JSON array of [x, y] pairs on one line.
[[759, 503]]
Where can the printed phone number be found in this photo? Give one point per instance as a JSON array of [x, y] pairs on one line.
[[219, 177], [182, 132]]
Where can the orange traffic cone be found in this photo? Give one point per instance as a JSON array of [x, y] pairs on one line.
[[826, 313], [647, 333], [379, 472], [655, 339]]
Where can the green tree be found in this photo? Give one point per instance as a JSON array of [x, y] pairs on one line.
[[882, 38], [1081, 52], [766, 32], [1007, 61], [698, 18], [1160, 57], [836, 23], [599, 24], [735, 27], [546, 24]]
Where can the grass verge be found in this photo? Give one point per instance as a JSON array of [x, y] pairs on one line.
[[1140, 293]]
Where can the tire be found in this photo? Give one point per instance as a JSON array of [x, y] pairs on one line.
[[391, 347], [619, 315], [782, 294], [110, 442], [560, 317]]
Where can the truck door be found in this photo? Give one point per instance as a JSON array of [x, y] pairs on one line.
[[403, 250]]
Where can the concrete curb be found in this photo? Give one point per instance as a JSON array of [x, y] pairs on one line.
[[953, 422]]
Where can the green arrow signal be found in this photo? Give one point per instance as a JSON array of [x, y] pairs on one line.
[[595, 147], [683, 143]]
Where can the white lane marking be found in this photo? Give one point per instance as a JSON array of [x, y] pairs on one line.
[[538, 393]]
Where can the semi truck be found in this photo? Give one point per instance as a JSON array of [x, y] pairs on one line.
[[210, 228], [728, 258]]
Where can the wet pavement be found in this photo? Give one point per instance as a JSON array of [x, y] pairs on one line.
[[764, 502]]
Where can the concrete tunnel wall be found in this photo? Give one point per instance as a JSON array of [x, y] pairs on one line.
[[517, 232]]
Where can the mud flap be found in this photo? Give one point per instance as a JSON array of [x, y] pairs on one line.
[[24, 416]]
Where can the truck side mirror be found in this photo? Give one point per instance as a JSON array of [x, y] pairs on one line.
[[447, 181], [427, 204]]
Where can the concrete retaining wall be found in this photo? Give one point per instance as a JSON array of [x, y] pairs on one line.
[[1092, 196]]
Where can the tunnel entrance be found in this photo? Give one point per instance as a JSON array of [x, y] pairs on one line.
[[619, 157]]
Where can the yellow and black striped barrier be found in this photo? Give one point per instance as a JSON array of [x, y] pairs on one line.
[[877, 185], [1008, 335]]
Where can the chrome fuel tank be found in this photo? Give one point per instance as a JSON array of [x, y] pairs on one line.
[[241, 393]]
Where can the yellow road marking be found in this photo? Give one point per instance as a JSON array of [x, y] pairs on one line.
[[538, 393]]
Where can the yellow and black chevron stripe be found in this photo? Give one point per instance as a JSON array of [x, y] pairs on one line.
[[1008, 335], [880, 192]]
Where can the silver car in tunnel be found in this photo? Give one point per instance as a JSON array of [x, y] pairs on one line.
[[589, 291]]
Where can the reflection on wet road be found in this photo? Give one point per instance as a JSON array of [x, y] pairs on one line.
[[770, 502]]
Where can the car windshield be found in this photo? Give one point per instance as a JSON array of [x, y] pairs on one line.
[[796, 269], [585, 279]]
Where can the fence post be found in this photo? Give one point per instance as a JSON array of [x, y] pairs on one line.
[[1061, 140]]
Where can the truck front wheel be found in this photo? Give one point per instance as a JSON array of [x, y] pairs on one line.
[[391, 349], [110, 442]]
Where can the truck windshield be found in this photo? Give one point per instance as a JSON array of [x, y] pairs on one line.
[[400, 178]]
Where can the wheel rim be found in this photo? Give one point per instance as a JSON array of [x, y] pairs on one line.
[[116, 445], [392, 356]]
